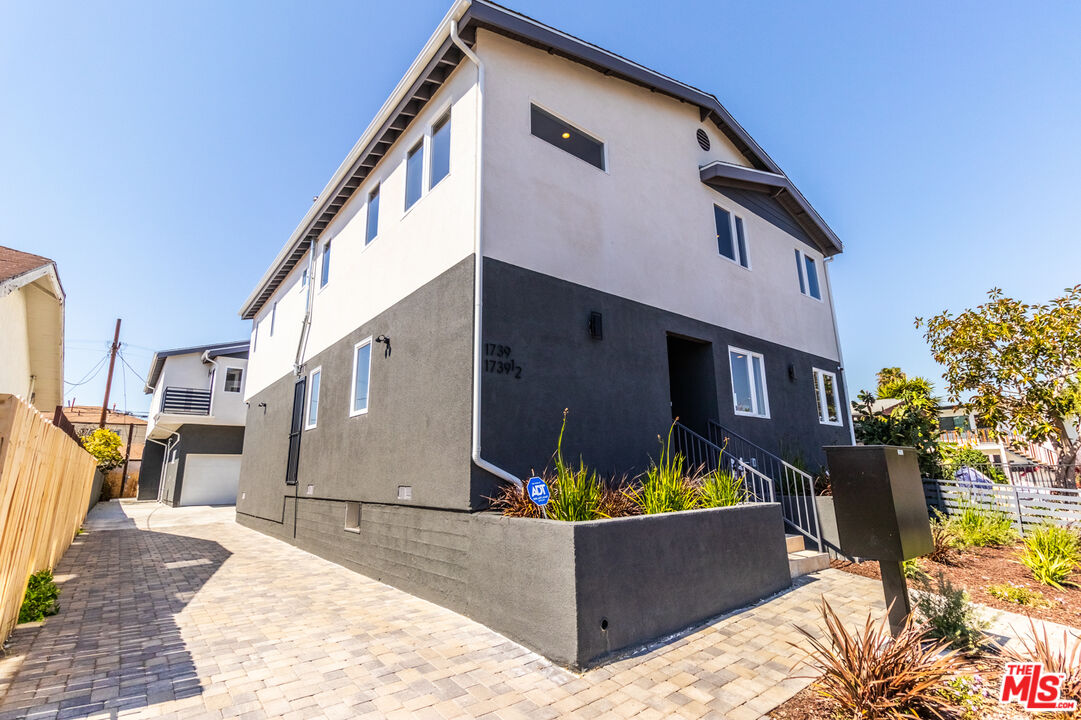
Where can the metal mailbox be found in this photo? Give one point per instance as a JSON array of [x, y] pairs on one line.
[[879, 501]]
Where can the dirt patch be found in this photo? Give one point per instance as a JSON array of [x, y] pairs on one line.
[[979, 567]]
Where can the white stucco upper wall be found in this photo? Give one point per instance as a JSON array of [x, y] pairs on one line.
[[15, 358], [189, 371], [412, 247], [644, 228]]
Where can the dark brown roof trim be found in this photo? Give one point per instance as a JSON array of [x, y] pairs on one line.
[[722, 174]]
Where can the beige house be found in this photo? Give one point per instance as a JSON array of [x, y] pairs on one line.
[[32, 325]]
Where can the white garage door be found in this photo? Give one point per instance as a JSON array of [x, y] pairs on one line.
[[210, 480]]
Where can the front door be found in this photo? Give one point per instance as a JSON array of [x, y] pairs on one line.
[[295, 429], [692, 382]]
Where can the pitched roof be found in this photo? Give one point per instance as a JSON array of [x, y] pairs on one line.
[[92, 414], [431, 69], [237, 348], [14, 263]]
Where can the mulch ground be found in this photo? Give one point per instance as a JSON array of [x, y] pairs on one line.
[[977, 568]]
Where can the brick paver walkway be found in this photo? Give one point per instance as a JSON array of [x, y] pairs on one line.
[[199, 617]]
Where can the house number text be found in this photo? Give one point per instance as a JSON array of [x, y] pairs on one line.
[[498, 360]]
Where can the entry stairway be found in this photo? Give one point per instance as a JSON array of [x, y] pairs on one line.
[[802, 561]]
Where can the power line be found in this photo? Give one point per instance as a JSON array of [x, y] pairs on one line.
[[129, 367], [90, 375]]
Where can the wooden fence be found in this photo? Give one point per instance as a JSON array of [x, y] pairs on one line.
[[1027, 506], [45, 480]]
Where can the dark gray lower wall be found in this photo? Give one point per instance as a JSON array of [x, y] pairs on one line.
[[150, 471], [201, 440], [95, 489], [617, 388], [548, 584]]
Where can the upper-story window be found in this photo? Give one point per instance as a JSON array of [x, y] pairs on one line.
[[566, 137], [827, 395], [440, 150], [807, 270], [324, 270], [414, 174], [313, 398], [731, 237], [233, 377], [748, 383], [372, 228], [362, 373]]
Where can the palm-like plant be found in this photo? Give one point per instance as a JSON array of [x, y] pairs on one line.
[[666, 487]]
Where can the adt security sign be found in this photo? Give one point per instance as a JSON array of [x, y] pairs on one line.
[[538, 491]]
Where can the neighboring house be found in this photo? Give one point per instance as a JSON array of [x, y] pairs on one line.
[[86, 418], [195, 431], [32, 327], [566, 229], [961, 427]]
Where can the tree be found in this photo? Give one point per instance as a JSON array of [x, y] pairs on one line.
[[1020, 365], [104, 445], [912, 423]]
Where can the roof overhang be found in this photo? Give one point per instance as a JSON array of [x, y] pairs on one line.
[[47, 272], [778, 186], [426, 75], [237, 348]]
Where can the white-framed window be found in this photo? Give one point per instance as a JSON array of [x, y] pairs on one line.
[[414, 174], [807, 271], [440, 162], [371, 228], [314, 381], [324, 266], [828, 396], [749, 395], [731, 236], [233, 379], [362, 375]]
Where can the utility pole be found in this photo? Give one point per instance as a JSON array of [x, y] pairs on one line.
[[109, 380], [127, 456]]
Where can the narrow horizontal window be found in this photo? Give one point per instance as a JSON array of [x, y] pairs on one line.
[[314, 381], [731, 237], [566, 137], [362, 367], [828, 397], [414, 174], [233, 376], [748, 383], [440, 150], [372, 228]]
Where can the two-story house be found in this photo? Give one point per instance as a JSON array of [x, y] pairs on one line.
[[530, 223], [195, 427]]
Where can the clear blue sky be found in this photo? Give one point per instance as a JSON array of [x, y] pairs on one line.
[[162, 153]]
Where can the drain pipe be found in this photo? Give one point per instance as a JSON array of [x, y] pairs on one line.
[[840, 356], [478, 266], [164, 460], [207, 360], [305, 324]]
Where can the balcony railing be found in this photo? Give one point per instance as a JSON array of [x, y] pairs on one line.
[[980, 435], [185, 401]]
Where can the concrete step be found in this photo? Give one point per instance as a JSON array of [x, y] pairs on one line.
[[794, 543], [804, 562]]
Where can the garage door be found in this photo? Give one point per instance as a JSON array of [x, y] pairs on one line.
[[210, 480]]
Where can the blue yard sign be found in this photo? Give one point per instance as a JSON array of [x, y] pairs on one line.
[[538, 491]]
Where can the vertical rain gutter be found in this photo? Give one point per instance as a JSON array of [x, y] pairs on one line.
[[478, 261], [306, 323], [840, 356]]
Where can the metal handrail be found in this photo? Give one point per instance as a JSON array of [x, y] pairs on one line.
[[716, 428]]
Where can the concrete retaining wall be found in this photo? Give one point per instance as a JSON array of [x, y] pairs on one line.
[[574, 592]]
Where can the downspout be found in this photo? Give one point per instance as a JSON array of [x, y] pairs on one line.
[[208, 360], [306, 323], [478, 266], [840, 356], [164, 460]]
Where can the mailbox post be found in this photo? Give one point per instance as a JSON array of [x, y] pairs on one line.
[[881, 513]]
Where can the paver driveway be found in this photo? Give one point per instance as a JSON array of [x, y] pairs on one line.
[[182, 613]]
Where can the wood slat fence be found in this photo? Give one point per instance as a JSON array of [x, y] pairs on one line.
[[1028, 506], [45, 481]]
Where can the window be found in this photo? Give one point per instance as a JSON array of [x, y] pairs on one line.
[[440, 150], [731, 238], [324, 272], [352, 517], [807, 271], [566, 137], [373, 216], [362, 371], [414, 174], [233, 376], [273, 316], [313, 398], [829, 402], [748, 383]]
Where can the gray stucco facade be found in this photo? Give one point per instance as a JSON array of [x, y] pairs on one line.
[[196, 440]]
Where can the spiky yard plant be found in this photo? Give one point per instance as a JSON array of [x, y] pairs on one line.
[[617, 499], [576, 493], [1051, 553], [1056, 657], [874, 676], [513, 501], [721, 488], [666, 487], [944, 541]]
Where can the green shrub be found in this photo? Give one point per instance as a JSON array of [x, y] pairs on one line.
[[40, 599], [721, 488], [982, 527], [666, 487], [955, 457], [944, 541], [1051, 553], [1018, 594], [949, 615], [913, 570]]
